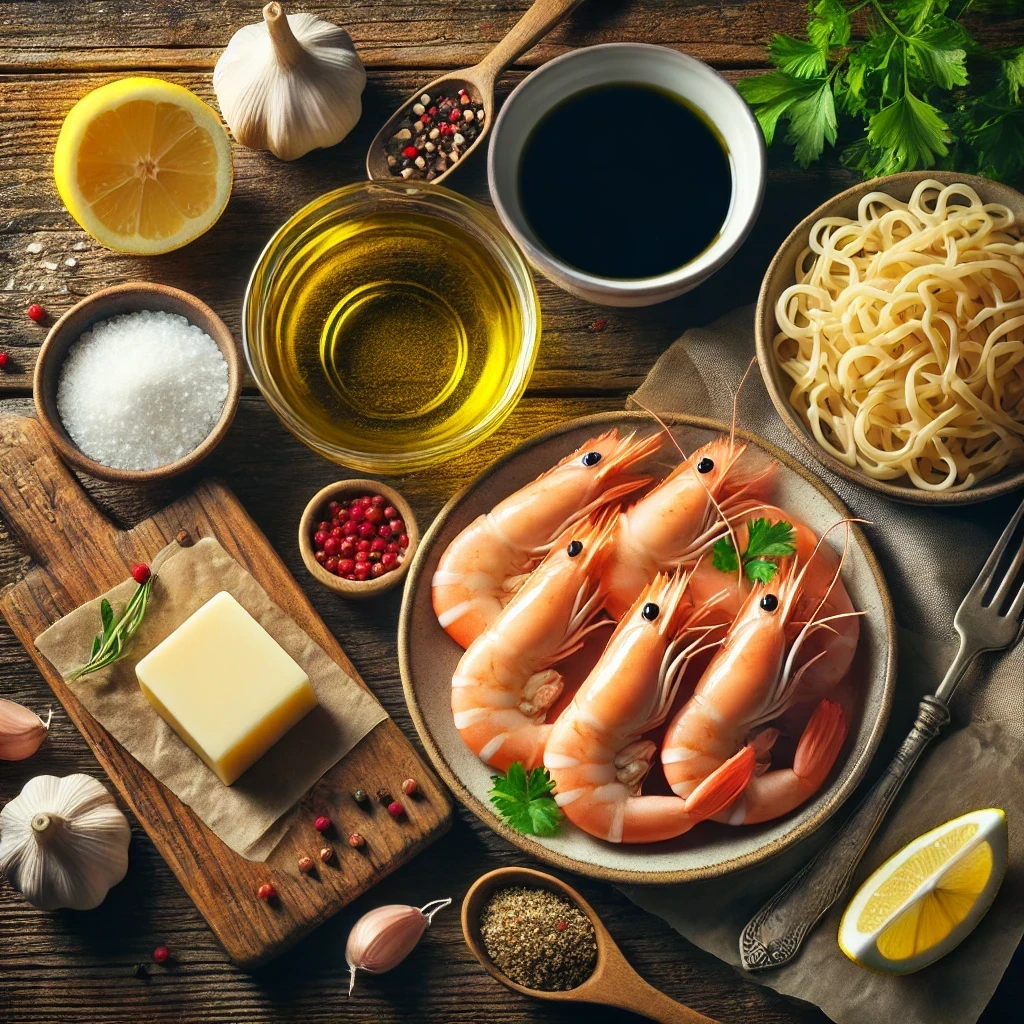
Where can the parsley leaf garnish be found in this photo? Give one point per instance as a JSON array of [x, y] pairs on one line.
[[524, 801], [765, 541], [911, 89]]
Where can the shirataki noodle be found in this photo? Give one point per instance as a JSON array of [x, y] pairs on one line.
[[904, 337]]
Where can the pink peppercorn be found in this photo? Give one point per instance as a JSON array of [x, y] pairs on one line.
[[322, 824], [395, 809], [266, 891], [161, 954], [36, 313], [410, 152], [5, 359]]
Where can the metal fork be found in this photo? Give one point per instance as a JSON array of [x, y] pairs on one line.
[[774, 934]]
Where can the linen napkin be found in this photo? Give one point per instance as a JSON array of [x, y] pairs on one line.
[[930, 558], [249, 816]]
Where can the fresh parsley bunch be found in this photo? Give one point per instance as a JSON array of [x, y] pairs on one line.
[[911, 90], [524, 800]]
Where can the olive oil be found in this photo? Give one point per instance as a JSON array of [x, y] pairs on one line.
[[625, 181], [391, 332]]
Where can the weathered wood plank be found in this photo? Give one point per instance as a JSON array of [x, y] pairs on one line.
[[105, 35], [430, 34], [574, 355]]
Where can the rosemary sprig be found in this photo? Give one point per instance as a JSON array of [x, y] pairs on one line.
[[117, 632]]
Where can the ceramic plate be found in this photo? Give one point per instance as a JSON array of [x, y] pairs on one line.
[[428, 658]]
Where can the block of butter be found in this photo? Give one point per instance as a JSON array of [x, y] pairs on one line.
[[225, 686]]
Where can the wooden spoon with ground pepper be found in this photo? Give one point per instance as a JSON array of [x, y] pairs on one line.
[[613, 983], [478, 81]]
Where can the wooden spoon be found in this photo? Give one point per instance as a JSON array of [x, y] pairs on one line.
[[613, 983], [478, 81]]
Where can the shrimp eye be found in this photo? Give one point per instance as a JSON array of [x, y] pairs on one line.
[[769, 602], [574, 548], [650, 612], [591, 458], [705, 465]]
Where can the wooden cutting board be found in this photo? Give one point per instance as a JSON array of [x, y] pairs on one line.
[[79, 554]]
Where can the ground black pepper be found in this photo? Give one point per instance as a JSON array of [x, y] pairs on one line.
[[538, 938], [433, 135]]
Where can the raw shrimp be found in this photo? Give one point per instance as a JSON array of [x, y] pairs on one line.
[[595, 752], [480, 570], [823, 595], [505, 681], [681, 518], [750, 681]]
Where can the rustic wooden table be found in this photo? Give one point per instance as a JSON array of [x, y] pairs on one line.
[[79, 967]]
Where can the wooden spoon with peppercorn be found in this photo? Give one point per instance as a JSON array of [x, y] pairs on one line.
[[437, 127], [612, 983]]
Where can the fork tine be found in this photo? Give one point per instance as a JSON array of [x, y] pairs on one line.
[[988, 570], [1017, 608], [1009, 580]]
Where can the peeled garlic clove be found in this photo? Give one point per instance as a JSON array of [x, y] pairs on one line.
[[21, 731], [383, 938]]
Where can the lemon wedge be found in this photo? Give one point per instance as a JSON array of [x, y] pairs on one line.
[[926, 899], [143, 165]]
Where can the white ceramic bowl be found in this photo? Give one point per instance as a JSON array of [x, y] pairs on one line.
[[643, 64]]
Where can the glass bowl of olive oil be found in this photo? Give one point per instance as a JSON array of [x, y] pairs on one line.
[[391, 326]]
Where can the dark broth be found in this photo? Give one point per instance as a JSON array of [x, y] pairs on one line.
[[625, 181]]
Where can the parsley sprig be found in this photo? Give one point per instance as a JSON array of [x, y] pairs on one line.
[[524, 801], [912, 89], [117, 631], [765, 540]]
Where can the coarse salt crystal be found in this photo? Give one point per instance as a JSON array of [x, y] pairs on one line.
[[71, 262], [48, 265], [79, 247], [141, 390], [34, 247]]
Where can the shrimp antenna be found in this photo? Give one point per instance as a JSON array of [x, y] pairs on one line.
[[736, 399], [664, 426]]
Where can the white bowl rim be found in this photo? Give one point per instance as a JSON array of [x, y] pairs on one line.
[[707, 263]]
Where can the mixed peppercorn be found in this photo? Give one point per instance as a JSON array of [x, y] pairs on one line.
[[360, 541], [435, 134], [322, 824]]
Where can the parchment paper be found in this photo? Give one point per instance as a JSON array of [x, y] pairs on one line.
[[930, 558], [247, 815]]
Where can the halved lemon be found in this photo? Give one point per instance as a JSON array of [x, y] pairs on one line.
[[143, 165], [926, 899]]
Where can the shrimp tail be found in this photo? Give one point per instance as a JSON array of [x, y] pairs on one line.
[[820, 743], [782, 790], [723, 785]]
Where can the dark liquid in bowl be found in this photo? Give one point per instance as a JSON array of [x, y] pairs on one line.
[[625, 181]]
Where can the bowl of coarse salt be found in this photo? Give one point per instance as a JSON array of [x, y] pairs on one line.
[[137, 383]]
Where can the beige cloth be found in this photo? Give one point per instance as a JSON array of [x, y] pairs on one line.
[[247, 816], [930, 558]]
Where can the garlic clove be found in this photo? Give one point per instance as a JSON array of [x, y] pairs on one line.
[[381, 939], [21, 731]]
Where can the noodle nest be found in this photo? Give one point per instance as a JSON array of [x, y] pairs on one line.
[[904, 337]]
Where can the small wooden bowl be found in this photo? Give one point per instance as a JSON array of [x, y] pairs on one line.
[[613, 983], [102, 305], [339, 491]]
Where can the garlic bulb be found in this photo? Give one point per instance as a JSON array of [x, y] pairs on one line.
[[21, 731], [290, 84], [383, 938], [63, 842]]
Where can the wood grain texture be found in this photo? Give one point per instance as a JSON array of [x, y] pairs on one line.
[[80, 554], [78, 968]]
